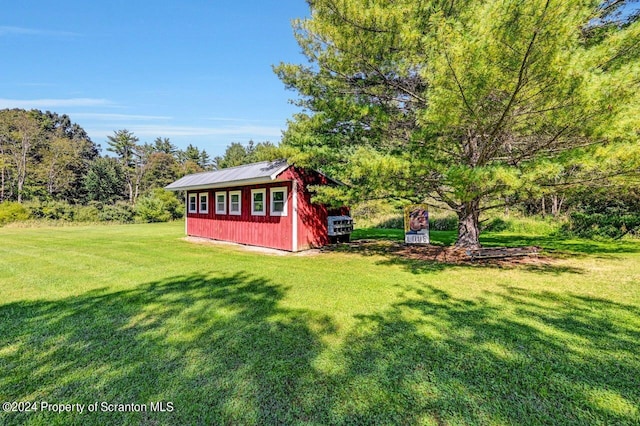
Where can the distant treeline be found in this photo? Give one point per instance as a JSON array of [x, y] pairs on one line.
[[45, 157], [51, 169]]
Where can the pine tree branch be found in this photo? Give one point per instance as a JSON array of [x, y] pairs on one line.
[[460, 89], [334, 8]]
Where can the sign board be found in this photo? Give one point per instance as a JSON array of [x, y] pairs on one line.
[[416, 224]]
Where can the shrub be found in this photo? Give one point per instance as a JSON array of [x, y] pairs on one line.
[[61, 210], [150, 209], [54, 210], [89, 213], [590, 225], [158, 206], [608, 212], [119, 212], [12, 212]]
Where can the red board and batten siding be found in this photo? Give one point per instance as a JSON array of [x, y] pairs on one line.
[[267, 231]]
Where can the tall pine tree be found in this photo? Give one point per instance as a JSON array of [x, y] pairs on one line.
[[465, 103]]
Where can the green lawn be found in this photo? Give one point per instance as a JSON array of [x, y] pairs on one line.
[[134, 314]]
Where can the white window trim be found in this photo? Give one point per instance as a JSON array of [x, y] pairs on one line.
[[272, 191], [262, 191], [239, 194], [224, 207], [206, 196], [194, 210]]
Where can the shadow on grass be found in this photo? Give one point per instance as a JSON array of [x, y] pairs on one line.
[[388, 243], [439, 257], [224, 350], [220, 349], [556, 359], [421, 266], [560, 244], [392, 254]]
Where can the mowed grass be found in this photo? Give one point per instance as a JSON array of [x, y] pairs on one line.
[[134, 314]]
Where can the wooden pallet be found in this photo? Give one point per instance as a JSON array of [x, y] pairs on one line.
[[501, 252]]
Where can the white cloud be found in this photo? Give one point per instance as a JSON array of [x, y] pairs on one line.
[[150, 130], [117, 117], [52, 103], [145, 130], [239, 120], [9, 30]]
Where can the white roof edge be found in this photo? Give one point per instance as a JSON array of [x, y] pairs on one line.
[[284, 167]]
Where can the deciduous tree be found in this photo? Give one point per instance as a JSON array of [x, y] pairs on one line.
[[19, 132], [65, 156], [162, 169]]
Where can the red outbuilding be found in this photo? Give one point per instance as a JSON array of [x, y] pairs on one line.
[[264, 204]]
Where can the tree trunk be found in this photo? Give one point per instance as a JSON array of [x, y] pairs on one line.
[[130, 190], [50, 180], [136, 193], [556, 204], [469, 225], [560, 204], [22, 163], [22, 171], [20, 187]]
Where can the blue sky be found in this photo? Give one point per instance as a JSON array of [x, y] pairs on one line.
[[194, 71]]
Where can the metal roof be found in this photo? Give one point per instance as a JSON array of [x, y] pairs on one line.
[[247, 174]]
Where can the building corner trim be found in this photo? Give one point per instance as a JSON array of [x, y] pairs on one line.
[[294, 225]]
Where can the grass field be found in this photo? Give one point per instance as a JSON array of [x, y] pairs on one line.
[[135, 315]]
